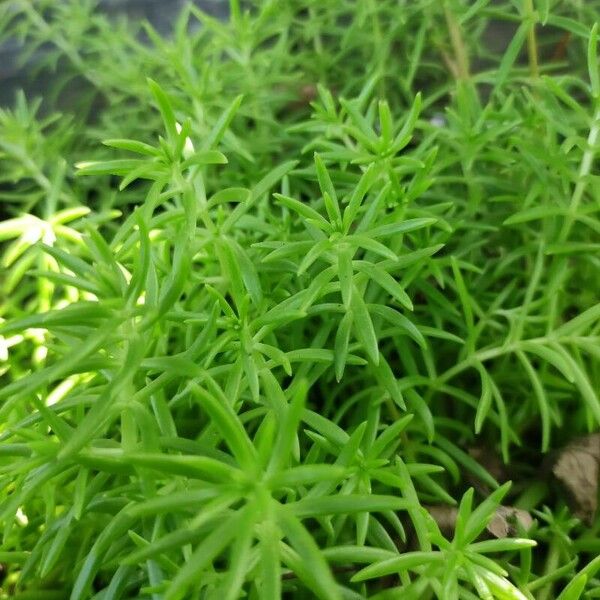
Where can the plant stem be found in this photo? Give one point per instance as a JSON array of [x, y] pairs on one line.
[[461, 57], [552, 563], [584, 170], [491, 353], [378, 41], [558, 268], [532, 47]]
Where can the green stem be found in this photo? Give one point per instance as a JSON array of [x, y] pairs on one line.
[[317, 42], [552, 563], [559, 267], [378, 43], [461, 56], [532, 47], [584, 170], [491, 353]]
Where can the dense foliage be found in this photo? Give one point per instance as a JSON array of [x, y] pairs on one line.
[[277, 293]]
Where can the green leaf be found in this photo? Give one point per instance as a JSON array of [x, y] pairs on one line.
[[480, 517], [304, 210], [12, 392], [568, 24], [550, 356], [389, 434], [575, 588], [271, 178], [12, 228], [389, 284], [345, 504], [248, 272], [478, 582], [209, 549], [328, 191], [345, 276], [201, 467], [386, 379], [55, 549], [224, 418], [111, 167], [404, 562], [320, 579], [232, 194], [165, 107], [397, 319], [342, 339], [316, 252], [542, 399], [133, 146], [534, 213], [405, 134], [544, 8], [276, 355], [363, 328], [204, 157], [510, 55], [463, 294], [503, 545], [356, 554], [76, 314], [307, 475], [240, 559], [485, 401], [174, 284], [465, 509], [270, 567], [400, 227], [368, 136], [319, 355], [363, 241], [385, 122], [287, 433], [325, 427], [592, 60], [466, 461], [364, 185], [579, 324], [176, 539], [499, 586], [220, 127]]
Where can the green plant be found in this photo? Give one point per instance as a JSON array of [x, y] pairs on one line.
[[254, 342]]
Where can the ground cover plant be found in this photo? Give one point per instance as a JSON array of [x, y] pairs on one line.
[[304, 304]]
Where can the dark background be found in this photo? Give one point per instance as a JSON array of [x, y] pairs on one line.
[[160, 13]]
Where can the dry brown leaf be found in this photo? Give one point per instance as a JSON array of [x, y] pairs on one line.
[[578, 469], [507, 521]]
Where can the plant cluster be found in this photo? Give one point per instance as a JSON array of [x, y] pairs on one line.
[[287, 300]]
